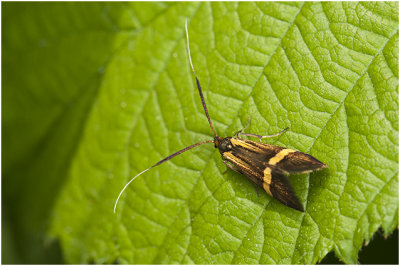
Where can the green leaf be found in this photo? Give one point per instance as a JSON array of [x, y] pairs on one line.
[[109, 93]]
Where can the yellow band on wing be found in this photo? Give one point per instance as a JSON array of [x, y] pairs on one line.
[[279, 156], [267, 175]]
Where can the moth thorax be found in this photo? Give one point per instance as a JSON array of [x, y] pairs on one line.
[[224, 145]]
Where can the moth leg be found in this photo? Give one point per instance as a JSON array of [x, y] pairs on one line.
[[229, 165], [237, 134], [226, 170], [256, 188], [263, 137]]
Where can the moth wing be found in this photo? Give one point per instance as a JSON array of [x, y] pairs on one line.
[[281, 189], [287, 160], [296, 162]]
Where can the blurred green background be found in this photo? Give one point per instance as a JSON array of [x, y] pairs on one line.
[[51, 68]]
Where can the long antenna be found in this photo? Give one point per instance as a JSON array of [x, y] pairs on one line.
[[160, 162], [198, 82]]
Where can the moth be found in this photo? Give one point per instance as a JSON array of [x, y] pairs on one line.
[[265, 165]]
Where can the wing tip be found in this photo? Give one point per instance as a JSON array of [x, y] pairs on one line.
[[282, 190]]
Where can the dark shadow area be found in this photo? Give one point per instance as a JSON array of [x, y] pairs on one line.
[[378, 251], [381, 250]]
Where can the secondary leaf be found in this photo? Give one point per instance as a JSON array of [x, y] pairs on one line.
[[53, 56]]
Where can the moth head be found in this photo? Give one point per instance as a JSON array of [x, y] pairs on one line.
[[224, 145], [217, 141]]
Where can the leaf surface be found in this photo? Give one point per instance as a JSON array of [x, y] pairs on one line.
[[327, 70]]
